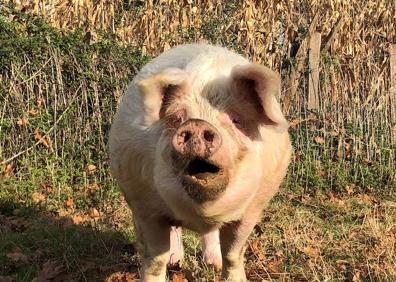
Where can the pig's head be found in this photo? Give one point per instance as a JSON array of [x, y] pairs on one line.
[[208, 122]]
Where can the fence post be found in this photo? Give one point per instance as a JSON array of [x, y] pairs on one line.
[[313, 82], [392, 62], [392, 56]]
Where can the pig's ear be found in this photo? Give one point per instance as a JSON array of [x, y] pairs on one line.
[[258, 86], [159, 90]]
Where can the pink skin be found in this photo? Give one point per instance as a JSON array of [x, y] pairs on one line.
[[196, 137], [205, 105], [211, 250], [176, 252]]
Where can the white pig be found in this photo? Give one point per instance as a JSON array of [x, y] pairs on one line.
[[200, 142]]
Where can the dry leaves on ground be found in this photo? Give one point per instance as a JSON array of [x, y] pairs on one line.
[[310, 251], [178, 277], [42, 139], [90, 168], [50, 271], [38, 197], [8, 170], [23, 122], [123, 277]]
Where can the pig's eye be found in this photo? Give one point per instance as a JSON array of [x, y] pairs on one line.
[[177, 117], [235, 119]]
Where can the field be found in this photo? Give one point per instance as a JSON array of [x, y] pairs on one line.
[[63, 67]]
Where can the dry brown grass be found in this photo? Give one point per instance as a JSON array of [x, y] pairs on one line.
[[335, 221], [354, 70]]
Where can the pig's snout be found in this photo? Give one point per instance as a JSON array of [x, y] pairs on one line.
[[196, 138]]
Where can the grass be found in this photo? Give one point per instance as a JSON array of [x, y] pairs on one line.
[[324, 237], [62, 216]]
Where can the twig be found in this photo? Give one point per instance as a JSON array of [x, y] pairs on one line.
[[332, 34], [45, 134]]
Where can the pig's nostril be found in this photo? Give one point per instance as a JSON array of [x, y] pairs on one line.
[[186, 135], [208, 135]]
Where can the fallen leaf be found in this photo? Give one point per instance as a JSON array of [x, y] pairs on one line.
[[310, 251], [367, 161], [347, 146], [34, 112], [8, 170], [42, 139], [350, 188], [79, 218], [335, 200], [91, 168], [18, 257], [38, 197], [257, 248], [123, 277], [50, 270], [357, 276], [40, 102], [23, 122], [342, 264], [94, 213], [63, 212], [322, 172], [353, 235], [116, 277], [178, 277], [93, 187], [48, 188], [130, 276], [319, 140], [369, 189], [365, 199], [295, 122], [69, 202], [275, 266]]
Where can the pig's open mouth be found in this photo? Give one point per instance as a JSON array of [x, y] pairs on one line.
[[202, 169], [204, 180]]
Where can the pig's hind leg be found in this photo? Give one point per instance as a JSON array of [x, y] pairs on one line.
[[176, 253], [211, 251]]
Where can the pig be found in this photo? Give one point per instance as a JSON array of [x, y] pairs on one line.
[[199, 141]]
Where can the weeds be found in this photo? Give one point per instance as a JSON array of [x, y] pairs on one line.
[[59, 207]]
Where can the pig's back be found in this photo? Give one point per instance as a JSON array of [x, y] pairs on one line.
[[190, 56]]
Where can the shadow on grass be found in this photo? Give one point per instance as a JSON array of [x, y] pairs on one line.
[[35, 243]]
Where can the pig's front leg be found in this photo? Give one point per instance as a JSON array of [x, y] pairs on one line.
[[211, 249], [176, 254], [154, 236], [233, 238]]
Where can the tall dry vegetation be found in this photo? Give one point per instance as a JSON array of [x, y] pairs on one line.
[[354, 124], [59, 88]]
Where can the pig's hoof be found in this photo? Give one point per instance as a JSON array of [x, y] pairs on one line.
[[176, 252], [175, 259], [213, 258]]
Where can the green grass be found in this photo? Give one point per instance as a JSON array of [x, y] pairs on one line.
[[333, 220]]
